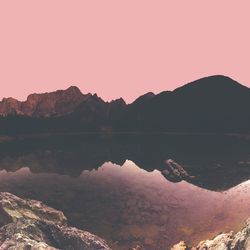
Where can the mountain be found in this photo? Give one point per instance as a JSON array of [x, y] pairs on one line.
[[211, 104], [54, 104], [59, 111], [215, 103]]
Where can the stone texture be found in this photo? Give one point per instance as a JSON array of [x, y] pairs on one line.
[[60, 103], [31, 225], [180, 246], [223, 241]]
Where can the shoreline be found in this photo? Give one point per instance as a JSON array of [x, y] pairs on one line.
[[7, 137]]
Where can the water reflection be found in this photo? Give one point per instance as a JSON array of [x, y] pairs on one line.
[[128, 205], [216, 162]]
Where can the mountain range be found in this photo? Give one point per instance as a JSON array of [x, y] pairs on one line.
[[211, 104]]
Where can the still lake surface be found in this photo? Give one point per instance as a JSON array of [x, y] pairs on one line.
[[114, 186]]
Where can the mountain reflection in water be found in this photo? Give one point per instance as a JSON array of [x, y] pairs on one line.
[[217, 162], [128, 205]]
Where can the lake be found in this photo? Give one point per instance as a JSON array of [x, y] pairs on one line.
[[113, 186]]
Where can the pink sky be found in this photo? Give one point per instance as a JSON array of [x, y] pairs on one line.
[[120, 48]]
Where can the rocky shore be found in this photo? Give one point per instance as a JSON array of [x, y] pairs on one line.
[[223, 241], [31, 225]]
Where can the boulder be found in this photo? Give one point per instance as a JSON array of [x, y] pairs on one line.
[[31, 225], [180, 246]]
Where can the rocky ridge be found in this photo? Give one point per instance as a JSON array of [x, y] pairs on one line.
[[29, 224], [57, 103]]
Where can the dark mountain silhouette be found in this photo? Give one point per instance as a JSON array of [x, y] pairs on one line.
[[211, 104], [215, 103]]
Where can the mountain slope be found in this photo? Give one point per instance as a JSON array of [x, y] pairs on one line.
[[209, 104]]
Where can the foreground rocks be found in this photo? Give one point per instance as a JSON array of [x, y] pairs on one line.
[[180, 246], [224, 241], [31, 225]]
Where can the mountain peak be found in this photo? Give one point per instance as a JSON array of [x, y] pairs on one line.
[[73, 89], [217, 79], [144, 98], [119, 100], [9, 100], [215, 83]]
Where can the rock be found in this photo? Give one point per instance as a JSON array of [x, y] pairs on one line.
[[61, 103], [224, 241], [174, 172], [31, 225], [241, 240], [10, 106], [220, 242], [180, 246], [57, 103], [137, 247]]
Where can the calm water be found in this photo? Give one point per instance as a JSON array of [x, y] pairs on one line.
[[114, 186]]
